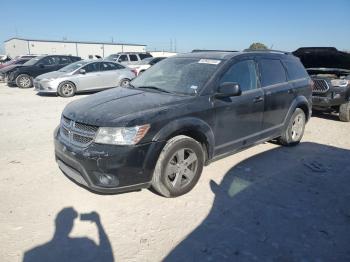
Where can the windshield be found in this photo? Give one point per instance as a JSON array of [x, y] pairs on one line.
[[111, 57], [178, 75], [33, 61], [74, 66]]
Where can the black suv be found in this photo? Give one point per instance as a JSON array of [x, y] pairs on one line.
[[330, 71], [22, 76], [181, 114]]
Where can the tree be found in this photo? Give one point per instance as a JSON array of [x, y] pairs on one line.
[[258, 46]]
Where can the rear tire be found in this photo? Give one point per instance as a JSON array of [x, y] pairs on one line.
[[66, 89], [124, 82], [294, 132], [24, 81], [344, 112], [179, 167]]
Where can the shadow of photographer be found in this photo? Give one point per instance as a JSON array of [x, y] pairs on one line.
[[285, 204], [62, 247]]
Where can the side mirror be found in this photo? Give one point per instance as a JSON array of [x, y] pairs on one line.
[[228, 89], [82, 71]]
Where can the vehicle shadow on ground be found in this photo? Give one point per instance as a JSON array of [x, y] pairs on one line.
[[285, 204], [62, 247], [326, 115]]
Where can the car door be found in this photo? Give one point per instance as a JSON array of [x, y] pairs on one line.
[[109, 74], [123, 59], [45, 65], [278, 94], [91, 79], [133, 58], [239, 119]]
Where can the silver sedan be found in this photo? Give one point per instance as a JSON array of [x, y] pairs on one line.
[[84, 76]]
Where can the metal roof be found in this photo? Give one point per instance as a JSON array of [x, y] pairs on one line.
[[70, 41]]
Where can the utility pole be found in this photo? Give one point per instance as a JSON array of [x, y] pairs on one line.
[[175, 47], [171, 44]]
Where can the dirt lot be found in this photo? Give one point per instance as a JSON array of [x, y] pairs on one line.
[[267, 203]]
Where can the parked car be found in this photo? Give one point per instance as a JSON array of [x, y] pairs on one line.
[[128, 58], [330, 71], [182, 113], [23, 76], [4, 59], [143, 65], [8, 66], [82, 76]]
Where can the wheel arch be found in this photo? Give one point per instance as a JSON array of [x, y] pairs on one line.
[[191, 127], [302, 103]]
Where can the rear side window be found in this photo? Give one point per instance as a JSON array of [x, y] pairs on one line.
[[272, 72], [106, 66], [50, 60], [64, 60], [242, 73], [133, 58], [295, 69], [143, 56]]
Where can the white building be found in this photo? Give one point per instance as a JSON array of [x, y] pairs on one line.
[[20, 46]]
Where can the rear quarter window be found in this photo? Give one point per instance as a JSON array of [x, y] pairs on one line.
[[295, 69], [272, 72]]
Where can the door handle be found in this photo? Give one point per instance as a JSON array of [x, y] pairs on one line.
[[258, 99]]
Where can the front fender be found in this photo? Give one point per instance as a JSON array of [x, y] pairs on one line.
[[187, 124]]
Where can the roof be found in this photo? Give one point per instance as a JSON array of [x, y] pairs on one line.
[[225, 55], [70, 41]]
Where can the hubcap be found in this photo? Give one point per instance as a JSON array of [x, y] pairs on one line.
[[181, 168], [24, 81], [67, 89], [125, 83], [297, 127]]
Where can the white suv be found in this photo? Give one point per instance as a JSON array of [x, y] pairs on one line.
[[128, 58]]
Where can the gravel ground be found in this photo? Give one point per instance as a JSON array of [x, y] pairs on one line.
[[267, 203]]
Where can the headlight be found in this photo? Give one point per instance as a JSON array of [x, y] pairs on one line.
[[121, 135], [340, 82]]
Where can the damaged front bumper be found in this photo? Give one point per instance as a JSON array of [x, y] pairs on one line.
[[108, 168]]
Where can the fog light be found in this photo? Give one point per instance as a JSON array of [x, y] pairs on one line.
[[107, 180]]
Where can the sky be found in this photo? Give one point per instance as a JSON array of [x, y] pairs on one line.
[[206, 24]]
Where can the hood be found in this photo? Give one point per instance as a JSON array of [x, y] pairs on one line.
[[51, 75], [323, 57], [8, 68], [105, 108]]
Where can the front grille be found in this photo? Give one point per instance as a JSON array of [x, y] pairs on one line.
[[77, 133], [320, 87]]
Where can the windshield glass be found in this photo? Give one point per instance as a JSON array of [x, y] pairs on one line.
[[111, 57], [74, 66], [33, 61], [178, 75]]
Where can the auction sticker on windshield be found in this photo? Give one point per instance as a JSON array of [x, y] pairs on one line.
[[209, 61]]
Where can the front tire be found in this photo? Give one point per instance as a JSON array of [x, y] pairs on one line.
[[294, 132], [179, 167], [66, 89], [344, 112], [24, 81]]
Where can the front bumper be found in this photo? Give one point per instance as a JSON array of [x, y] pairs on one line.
[[128, 168], [333, 98], [45, 86]]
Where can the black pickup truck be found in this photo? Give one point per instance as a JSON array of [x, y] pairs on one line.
[[330, 71]]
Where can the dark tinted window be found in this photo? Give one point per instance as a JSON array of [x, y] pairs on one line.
[[123, 58], [106, 66], [133, 57], [20, 62], [272, 72], [93, 67], [242, 73], [50, 60], [74, 58], [155, 60], [64, 60], [295, 69], [143, 56]]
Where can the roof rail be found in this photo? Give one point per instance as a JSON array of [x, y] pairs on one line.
[[204, 50], [267, 50]]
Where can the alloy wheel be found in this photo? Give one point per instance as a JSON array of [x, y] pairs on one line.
[[181, 168], [297, 127]]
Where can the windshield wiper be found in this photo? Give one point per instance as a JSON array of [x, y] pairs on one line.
[[154, 88]]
